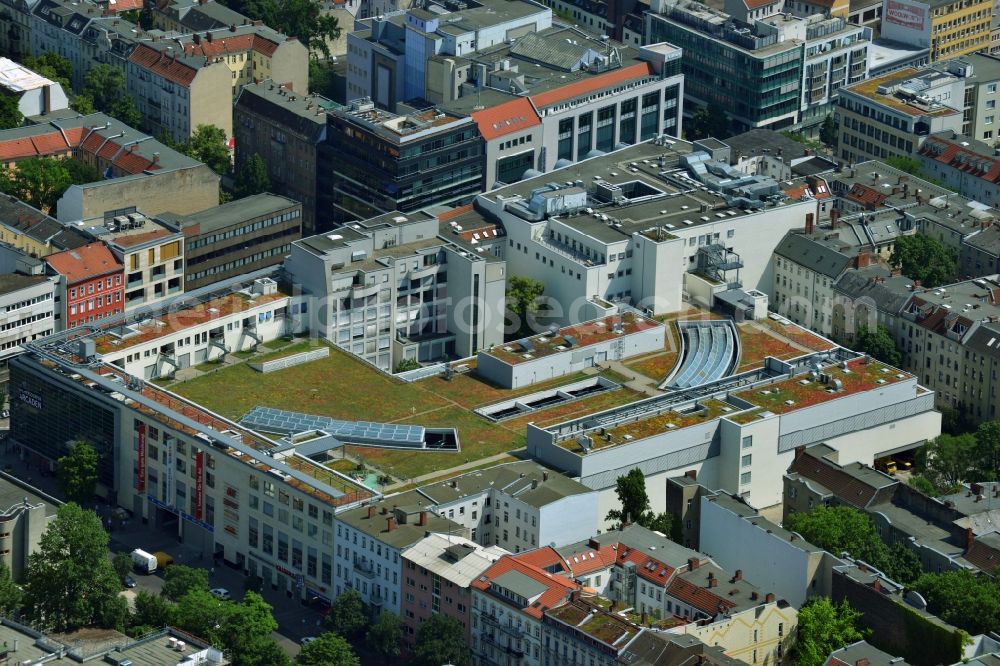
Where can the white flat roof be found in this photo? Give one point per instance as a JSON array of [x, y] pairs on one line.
[[17, 78]]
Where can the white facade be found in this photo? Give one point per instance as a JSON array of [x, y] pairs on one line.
[[27, 311], [36, 94]]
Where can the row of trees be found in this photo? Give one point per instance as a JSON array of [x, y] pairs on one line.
[[924, 258], [840, 529], [948, 460]]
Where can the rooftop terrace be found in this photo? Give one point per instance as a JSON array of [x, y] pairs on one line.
[[885, 90]]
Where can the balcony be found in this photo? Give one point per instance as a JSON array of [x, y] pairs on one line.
[[364, 568]]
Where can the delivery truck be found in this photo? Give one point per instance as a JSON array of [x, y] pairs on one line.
[[143, 561]]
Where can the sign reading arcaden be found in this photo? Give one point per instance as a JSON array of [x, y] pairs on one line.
[[29, 398], [905, 14]]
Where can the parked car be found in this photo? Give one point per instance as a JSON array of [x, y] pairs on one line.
[[220, 593], [128, 581], [306, 640]]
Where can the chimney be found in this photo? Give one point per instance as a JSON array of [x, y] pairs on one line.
[[196, 38], [877, 585], [979, 498], [390, 523], [863, 259], [769, 598], [384, 510], [534, 484], [232, 27], [970, 537], [692, 474], [834, 216], [423, 519], [799, 452], [738, 575], [874, 177], [371, 511], [976, 488], [712, 580], [574, 595], [809, 223], [895, 190], [46, 99], [156, 158], [693, 563], [545, 475], [861, 662], [754, 595], [454, 484], [208, 37]]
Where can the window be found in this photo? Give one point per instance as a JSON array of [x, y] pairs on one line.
[[748, 441], [988, 120], [991, 88], [744, 478], [745, 462]]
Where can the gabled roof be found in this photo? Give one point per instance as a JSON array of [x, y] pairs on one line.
[[696, 596], [178, 70], [854, 483], [546, 590], [824, 257], [984, 553], [867, 196], [85, 262]]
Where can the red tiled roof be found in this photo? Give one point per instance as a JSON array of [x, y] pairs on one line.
[[865, 195], [698, 597], [984, 556], [649, 568], [582, 563], [118, 6], [757, 4], [131, 162], [961, 158], [83, 263], [592, 83], [558, 588], [162, 65], [222, 44], [454, 212], [513, 116]]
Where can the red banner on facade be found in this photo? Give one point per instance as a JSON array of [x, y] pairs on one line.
[[140, 483], [199, 485]]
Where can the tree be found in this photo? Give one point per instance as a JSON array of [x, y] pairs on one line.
[[906, 165], [83, 104], [902, 564], [522, 299], [440, 640], [10, 593], [946, 461], [963, 599], [80, 172], [52, 66], [10, 114], [347, 615], [661, 522], [201, 614], [828, 132], [384, 636], [124, 109], [251, 177], [406, 365], [180, 579], [70, 581], [152, 610], [328, 649], [304, 19], [631, 491], [104, 85], [823, 628], [246, 632], [208, 145], [708, 121], [879, 343], [923, 258], [122, 564], [840, 528], [38, 181], [986, 458], [77, 473]]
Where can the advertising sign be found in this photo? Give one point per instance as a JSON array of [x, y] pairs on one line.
[[199, 484], [905, 14], [140, 483]]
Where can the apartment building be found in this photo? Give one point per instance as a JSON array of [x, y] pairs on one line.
[[438, 572], [949, 29], [90, 284], [641, 225], [150, 252], [892, 115], [371, 541], [509, 601], [286, 129], [764, 67], [389, 56], [134, 167], [964, 164], [868, 297], [517, 506], [26, 514], [217, 240], [398, 286], [187, 16], [27, 311], [34, 233], [15, 27], [980, 254], [175, 92], [374, 162]]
